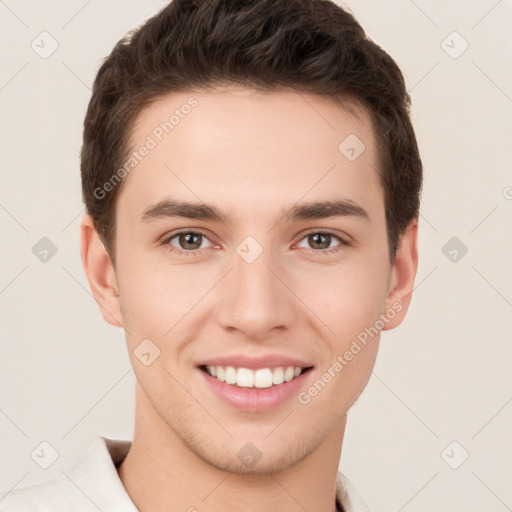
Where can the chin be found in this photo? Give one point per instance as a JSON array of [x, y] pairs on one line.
[[256, 456]]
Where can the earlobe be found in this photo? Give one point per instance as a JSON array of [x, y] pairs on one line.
[[100, 272], [402, 277]]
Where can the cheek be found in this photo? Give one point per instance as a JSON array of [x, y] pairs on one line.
[[349, 304], [153, 298], [346, 298]]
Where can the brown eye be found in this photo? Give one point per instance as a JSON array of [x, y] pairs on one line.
[[189, 241], [320, 240]]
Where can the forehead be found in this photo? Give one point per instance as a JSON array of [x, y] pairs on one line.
[[240, 147]]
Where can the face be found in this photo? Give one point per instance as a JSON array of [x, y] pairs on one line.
[[278, 260]]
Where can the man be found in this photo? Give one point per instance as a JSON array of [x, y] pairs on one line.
[[252, 183]]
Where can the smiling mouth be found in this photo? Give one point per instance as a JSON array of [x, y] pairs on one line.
[[260, 378]]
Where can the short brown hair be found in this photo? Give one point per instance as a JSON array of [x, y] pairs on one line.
[[311, 46]]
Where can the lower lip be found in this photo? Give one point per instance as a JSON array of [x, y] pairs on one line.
[[255, 399]]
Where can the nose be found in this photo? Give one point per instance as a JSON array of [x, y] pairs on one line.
[[255, 301]]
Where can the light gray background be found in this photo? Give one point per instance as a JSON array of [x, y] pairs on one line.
[[442, 376]]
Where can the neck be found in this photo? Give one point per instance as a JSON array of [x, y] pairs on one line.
[[161, 473]]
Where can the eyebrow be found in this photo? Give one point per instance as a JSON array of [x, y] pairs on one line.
[[204, 211]]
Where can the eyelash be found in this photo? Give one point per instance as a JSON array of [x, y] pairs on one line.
[[194, 253]]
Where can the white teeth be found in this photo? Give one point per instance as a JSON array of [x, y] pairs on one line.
[[278, 376], [289, 373], [263, 378], [230, 375], [247, 378]]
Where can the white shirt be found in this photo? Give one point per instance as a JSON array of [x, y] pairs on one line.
[[93, 485]]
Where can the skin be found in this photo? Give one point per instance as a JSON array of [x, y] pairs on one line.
[[246, 152]]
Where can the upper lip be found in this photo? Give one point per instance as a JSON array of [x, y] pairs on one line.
[[251, 362]]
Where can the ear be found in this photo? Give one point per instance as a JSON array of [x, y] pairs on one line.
[[100, 272], [402, 277]]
